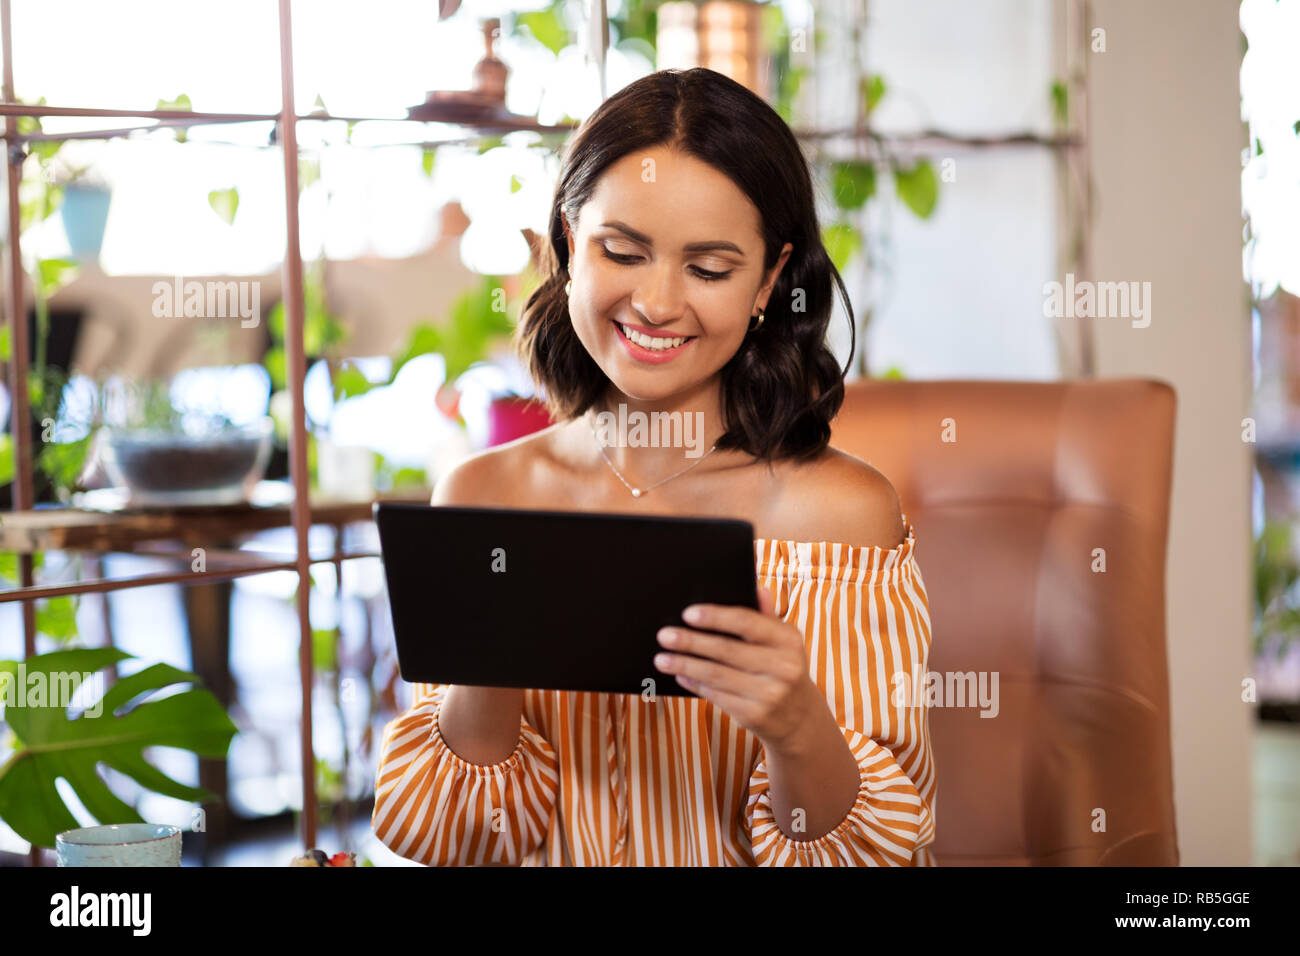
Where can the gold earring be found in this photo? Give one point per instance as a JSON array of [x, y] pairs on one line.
[[758, 325]]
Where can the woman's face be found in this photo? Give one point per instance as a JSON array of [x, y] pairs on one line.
[[667, 269]]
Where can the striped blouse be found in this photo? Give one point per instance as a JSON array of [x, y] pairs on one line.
[[616, 780]]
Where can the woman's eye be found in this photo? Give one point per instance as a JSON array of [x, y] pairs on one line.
[[704, 274]]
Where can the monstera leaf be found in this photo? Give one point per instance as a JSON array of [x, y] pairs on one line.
[[50, 745]]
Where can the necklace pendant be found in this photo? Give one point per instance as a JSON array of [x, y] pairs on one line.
[[636, 492]]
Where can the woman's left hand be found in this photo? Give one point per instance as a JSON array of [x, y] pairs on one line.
[[761, 680]]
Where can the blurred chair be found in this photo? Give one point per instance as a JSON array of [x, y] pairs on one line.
[[1041, 513]]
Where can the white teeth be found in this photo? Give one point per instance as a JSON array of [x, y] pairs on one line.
[[654, 343]]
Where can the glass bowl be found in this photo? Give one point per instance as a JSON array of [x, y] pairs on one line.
[[169, 468]]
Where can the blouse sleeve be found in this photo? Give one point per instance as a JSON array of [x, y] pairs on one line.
[[434, 807], [868, 643]]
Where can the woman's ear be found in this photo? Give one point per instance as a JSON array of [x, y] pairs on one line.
[[766, 291]]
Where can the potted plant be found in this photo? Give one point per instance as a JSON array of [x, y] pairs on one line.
[[165, 455], [86, 200]]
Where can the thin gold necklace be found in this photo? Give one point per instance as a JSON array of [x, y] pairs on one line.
[[638, 492]]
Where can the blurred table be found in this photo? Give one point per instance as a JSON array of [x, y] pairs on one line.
[[100, 521]]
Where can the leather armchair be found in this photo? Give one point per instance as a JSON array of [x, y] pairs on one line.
[[1041, 513]]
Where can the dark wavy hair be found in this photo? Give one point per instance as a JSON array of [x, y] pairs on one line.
[[783, 387]]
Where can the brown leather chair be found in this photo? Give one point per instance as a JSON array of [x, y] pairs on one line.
[[1020, 494]]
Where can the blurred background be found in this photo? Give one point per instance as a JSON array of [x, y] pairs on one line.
[[966, 154]]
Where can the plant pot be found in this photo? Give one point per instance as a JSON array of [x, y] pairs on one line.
[[511, 417], [161, 467], [85, 213]]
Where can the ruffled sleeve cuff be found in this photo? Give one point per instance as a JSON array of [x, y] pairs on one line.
[[433, 806], [883, 827], [531, 744]]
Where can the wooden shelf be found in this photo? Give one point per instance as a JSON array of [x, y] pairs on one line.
[[64, 529]]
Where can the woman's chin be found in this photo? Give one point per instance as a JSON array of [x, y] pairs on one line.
[[638, 389]]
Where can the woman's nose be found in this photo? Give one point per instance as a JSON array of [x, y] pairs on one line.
[[660, 296]]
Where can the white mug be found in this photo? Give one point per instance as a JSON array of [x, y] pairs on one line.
[[120, 844]]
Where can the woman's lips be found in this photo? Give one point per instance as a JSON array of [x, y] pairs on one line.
[[650, 356]]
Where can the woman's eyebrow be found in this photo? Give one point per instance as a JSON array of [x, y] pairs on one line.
[[709, 246]]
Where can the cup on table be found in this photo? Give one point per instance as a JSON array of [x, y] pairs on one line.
[[120, 844]]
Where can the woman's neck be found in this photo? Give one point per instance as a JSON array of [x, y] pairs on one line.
[[654, 438]]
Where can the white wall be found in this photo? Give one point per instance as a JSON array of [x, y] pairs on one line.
[[1167, 141], [962, 294]]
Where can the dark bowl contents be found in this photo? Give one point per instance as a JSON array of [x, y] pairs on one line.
[[152, 467], [160, 467]]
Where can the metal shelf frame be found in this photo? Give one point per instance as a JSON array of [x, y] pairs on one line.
[[233, 564]]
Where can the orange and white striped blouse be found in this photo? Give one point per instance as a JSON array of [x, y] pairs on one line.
[[617, 780]]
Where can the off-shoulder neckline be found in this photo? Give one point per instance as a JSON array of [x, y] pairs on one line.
[[835, 560]]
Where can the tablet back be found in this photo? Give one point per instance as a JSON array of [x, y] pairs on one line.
[[548, 599]]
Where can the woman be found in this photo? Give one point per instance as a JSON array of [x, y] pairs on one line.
[[685, 274]]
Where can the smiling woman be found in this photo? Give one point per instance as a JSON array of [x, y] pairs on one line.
[[686, 210], [685, 276]]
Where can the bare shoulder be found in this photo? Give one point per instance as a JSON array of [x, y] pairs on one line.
[[838, 497], [497, 477]]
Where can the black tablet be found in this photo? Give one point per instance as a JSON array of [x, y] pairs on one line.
[[552, 600]]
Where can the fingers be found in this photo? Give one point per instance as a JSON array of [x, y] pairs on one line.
[[736, 707], [757, 627], [720, 677], [751, 658]]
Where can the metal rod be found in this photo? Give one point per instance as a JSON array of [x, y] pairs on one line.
[[104, 133], [344, 817], [927, 138], [21, 488], [11, 108], [211, 555], [199, 118], [920, 139], [127, 131], [236, 556], [301, 508], [187, 118], [140, 581], [235, 569], [16, 306]]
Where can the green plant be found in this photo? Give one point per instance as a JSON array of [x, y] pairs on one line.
[[855, 182], [56, 617], [1277, 610], [41, 190], [478, 320], [546, 26], [323, 332], [45, 173], [48, 745]]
